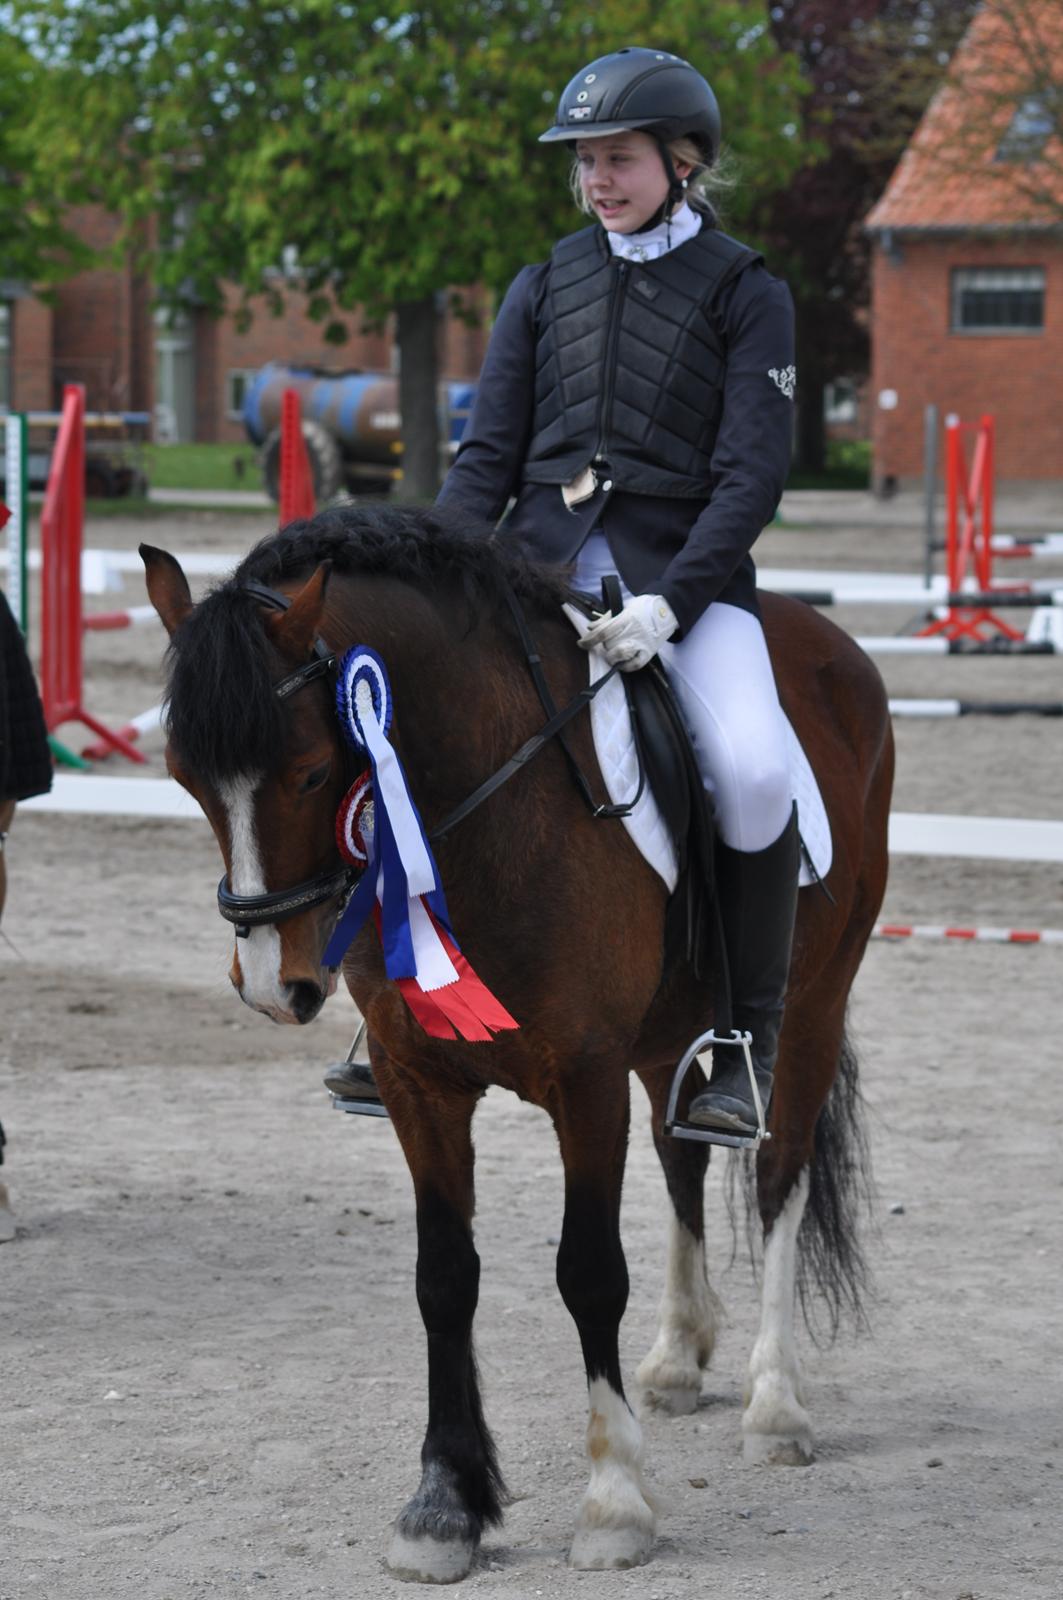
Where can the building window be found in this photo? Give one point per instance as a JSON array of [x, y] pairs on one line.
[[1028, 131], [5, 356], [998, 300], [840, 402], [237, 382], [175, 378]]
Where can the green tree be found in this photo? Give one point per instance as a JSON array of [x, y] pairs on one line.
[[385, 154], [35, 247], [869, 68]]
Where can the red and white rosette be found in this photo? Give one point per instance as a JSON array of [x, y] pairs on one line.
[[354, 822]]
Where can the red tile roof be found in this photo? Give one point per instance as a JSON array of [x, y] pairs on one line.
[[950, 176]]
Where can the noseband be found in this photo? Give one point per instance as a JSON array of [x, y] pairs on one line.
[[246, 911]]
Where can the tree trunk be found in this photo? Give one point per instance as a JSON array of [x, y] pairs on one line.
[[418, 398], [810, 443]]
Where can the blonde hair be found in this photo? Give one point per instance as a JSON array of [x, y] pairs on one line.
[[705, 184]]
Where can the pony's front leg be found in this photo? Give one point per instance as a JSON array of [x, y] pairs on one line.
[[437, 1534], [616, 1521]]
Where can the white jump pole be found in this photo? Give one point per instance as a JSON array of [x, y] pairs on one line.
[[905, 645], [16, 500]]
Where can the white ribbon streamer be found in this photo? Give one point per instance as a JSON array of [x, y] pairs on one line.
[[394, 797]]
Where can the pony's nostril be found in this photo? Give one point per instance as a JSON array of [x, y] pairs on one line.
[[305, 999]]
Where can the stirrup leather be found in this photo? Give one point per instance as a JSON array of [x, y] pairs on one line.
[[691, 1130], [359, 1108]]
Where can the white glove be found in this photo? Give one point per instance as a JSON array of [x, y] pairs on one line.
[[633, 638]]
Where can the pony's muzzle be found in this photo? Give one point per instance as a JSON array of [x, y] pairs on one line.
[[293, 1003], [292, 996], [305, 999]]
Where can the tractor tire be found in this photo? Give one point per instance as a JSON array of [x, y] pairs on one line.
[[326, 462]]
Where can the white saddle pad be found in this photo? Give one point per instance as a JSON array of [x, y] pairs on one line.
[[614, 743]]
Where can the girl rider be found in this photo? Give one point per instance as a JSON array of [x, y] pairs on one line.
[[636, 403]]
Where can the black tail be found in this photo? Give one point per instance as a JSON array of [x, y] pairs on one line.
[[832, 1271]]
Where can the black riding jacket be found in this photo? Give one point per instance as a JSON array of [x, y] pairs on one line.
[[25, 759], [675, 376]]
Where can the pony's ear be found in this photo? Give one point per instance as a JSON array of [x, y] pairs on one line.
[[168, 588], [295, 630]]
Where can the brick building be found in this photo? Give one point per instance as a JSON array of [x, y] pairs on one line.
[[967, 269], [102, 330]]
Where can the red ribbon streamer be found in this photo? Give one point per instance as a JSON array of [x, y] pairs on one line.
[[466, 1009]]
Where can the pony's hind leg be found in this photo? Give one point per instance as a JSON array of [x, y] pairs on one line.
[[616, 1521], [812, 1161], [776, 1428], [7, 1220], [437, 1534], [690, 1312]]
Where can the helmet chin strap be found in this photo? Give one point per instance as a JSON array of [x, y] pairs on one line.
[[676, 192]]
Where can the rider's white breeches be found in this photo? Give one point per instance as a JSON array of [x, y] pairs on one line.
[[723, 680]]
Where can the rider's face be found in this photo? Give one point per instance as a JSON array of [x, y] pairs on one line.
[[623, 177]]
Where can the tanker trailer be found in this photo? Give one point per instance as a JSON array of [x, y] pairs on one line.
[[351, 425]]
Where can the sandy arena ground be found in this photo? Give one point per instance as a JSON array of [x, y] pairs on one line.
[[213, 1363]]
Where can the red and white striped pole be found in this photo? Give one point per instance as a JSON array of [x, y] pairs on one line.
[[896, 931]]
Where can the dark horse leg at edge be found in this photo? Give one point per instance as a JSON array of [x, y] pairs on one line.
[[563, 920]]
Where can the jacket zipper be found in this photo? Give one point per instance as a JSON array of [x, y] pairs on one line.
[[619, 290]]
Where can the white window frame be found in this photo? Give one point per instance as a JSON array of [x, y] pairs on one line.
[[998, 280], [237, 375]]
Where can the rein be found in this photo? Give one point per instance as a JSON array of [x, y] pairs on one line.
[[554, 726], [246, 911]]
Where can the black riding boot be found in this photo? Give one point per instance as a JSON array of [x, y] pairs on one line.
[[758, 903], [353, 1079]]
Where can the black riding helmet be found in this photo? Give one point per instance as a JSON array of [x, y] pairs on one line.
[[635, 89]]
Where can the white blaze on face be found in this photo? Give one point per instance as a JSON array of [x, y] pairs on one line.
[[259, 955]]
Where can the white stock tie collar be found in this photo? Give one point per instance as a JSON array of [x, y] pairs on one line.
[[685, 224]]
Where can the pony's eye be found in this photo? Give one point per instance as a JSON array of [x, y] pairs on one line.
[[316, 778]]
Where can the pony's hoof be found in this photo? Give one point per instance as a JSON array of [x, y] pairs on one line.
[[428, 1560], [777, 1450], [675, 1400], [610, 1549], [669, 1377], [7, 1220]]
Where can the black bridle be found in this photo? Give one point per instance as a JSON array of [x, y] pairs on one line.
[[246, 911]]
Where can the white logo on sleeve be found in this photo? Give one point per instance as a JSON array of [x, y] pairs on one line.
[[784, 378]]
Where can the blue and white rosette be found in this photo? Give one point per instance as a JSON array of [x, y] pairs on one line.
[[401, 875]]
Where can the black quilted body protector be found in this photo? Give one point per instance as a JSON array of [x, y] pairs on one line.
[[630, 364]]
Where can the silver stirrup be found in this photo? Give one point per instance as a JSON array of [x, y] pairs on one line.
[[693, 1130], [358, 1108]]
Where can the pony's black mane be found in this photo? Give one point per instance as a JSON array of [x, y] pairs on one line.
[[419, 545], [224, 719]]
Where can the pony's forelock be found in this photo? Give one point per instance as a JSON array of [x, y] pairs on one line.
[[223, 719]]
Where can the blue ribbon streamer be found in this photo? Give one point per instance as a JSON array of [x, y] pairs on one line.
[[399, 958]]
